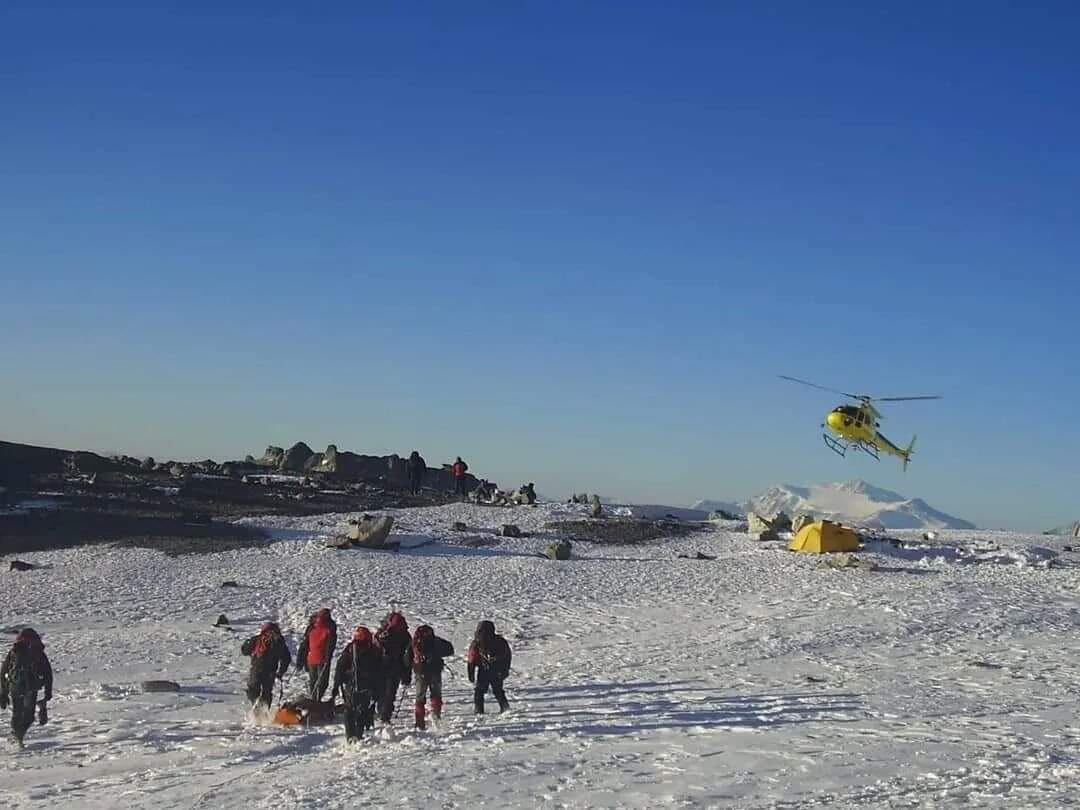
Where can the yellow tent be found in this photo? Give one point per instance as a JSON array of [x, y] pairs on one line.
[[824, 536]]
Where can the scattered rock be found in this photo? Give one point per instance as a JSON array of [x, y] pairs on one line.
[[929, 536], [623, 531], [160, 686], [814, 679], [230, 583], [222, 621], [19, 565], [148, 464], [460, 527], [510, 530], [985, 665], [698, 556], [781, 522], [558, 550], [177, 471], [272, 457], [597, 510]]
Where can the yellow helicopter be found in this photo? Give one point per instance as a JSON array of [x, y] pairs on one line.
[[856, 426]]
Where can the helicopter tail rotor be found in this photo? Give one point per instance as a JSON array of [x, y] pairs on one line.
[[908, 451]]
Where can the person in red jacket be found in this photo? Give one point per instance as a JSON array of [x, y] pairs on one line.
[[316, 652], [425, 658], [488, 665], [459, 469]]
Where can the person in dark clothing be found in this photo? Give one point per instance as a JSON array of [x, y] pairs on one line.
[[488, 665], [459, 468], [393, 640], [425, 658], [270, 659], [359, 677], [417, 469], [26, 670], [316, 651]]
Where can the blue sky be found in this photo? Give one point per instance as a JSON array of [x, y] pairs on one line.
[[574, 243]]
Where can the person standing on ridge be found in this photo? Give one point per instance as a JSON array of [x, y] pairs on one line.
[[417, 469], [459, 468], [488, 665], [359, 677], [393, 640], [270, 659], [26, 669], [316, 651], [425, 658]]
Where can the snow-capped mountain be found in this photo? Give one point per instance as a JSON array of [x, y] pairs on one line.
[[709, 507], [855, 502]]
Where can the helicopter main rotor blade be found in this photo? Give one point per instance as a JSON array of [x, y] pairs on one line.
[[903, 399], [819, 387]]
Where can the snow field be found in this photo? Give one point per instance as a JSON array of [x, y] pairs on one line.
[[640, 680]]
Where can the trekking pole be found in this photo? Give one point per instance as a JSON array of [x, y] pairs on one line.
[[404, 695]]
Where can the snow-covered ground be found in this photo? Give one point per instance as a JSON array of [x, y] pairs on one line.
[[946, 677]]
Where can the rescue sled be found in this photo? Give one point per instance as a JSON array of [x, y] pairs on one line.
[[306, 712]]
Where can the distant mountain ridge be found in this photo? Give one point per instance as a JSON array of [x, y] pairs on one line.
[[855, 502]]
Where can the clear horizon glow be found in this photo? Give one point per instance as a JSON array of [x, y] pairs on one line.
[[573, 244]]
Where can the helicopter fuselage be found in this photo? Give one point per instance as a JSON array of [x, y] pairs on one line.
[[859, 426]]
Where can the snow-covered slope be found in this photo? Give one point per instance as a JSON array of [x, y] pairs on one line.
[[855, 502], [757, 680]]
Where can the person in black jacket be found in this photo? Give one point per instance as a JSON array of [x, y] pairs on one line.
[[425, 658], [359, 677], [26, 669], [488, 665], [316, 651], [393, 640], [270, 659], [417, 469]]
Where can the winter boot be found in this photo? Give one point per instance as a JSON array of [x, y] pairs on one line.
[[504, 705], [436, 709], [478, 705], [419, 713]]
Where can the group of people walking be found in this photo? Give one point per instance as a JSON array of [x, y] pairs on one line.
[[374, 666]]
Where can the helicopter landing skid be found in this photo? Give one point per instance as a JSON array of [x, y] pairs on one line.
[[841, 447]]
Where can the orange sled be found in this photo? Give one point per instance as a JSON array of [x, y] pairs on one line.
[[306, 712]]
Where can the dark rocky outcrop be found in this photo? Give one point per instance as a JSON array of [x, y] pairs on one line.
[[296, 458]]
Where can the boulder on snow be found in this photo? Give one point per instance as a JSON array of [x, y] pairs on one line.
[[19, 565], [597, 510], [222, 621], [230, 583], [558, 550], [781, 522], [510, 530], [296, 457], [459, 526], [756, 524], [367, 532], [160, 686]]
